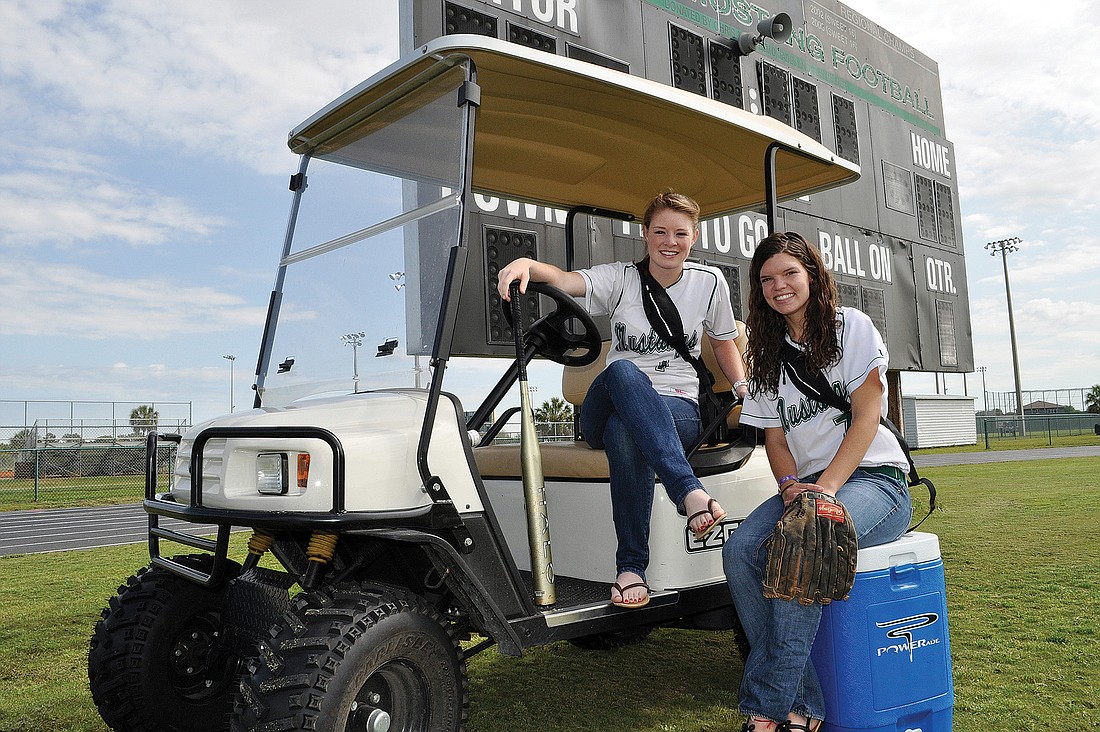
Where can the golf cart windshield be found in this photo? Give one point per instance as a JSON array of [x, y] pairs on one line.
[[362, 278]]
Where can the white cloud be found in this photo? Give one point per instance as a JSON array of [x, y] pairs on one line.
[[63, 197], [41, 299], [229, 78], [1056, 340]]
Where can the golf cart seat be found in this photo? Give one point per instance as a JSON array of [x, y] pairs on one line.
[[575, 460]]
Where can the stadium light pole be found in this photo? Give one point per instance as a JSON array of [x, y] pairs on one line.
[[231, 359], [985, 394], [395, 276], [354, 340], [1006, 247]]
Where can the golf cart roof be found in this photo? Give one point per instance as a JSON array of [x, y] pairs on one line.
[[565, 133]]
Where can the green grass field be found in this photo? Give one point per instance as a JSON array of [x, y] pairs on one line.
[[104, 490], [21, 494], [1019, 542]]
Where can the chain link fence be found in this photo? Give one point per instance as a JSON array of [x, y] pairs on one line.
[[59, 454], [1058, 401], [70, 475], [1048, 427]]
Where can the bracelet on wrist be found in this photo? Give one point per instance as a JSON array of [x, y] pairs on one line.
[[785, 481], [740, 383]]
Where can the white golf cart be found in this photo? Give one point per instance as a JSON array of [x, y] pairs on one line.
[[398, 519]]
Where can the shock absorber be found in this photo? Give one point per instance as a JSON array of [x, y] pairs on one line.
[[319, 551], [258, 543]]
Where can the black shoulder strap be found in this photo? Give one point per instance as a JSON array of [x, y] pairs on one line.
[[812, 384], [665, 320], [816, 386]]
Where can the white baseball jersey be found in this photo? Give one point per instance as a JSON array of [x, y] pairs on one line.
[[814, 431], [701, 296]]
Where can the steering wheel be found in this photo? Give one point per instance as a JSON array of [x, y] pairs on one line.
[[552, 334]]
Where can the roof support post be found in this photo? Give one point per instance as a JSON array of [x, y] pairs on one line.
[[770, 191]]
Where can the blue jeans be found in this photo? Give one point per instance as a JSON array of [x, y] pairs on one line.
[[779, 677], [643, 433]]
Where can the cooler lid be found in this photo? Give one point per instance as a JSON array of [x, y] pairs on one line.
[[912, 548]]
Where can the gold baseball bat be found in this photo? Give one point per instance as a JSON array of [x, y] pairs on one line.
[[534, 486]]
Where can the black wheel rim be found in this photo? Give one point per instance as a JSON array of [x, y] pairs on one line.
[[398, 689], [200, 668]]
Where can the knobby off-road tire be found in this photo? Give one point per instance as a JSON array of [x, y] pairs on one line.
[[348, 658], [156, 662]]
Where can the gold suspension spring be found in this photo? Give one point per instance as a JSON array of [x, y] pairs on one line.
[[319, 550], [260, 542], [321, 546]]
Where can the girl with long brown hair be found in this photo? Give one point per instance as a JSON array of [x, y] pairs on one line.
[[794, 315]]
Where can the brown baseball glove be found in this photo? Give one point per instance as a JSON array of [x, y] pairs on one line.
[[812, 551]]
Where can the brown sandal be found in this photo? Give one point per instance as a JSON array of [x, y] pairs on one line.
[[623, 602], [704, 532]]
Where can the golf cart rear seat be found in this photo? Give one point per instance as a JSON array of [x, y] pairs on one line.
[[575, 460]]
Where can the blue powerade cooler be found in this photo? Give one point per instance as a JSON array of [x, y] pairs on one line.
[[883, 656]]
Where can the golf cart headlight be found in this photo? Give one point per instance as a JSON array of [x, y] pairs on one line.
[[271, 473]]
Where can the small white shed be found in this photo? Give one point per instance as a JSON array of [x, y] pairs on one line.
[[939, 420]]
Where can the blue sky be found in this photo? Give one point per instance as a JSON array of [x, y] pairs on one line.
[[143, 183]]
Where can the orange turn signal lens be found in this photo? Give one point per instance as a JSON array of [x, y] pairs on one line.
[[303, 469]]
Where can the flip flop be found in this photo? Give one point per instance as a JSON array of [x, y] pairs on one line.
[[704, 532], [811, 726], [621, 602]]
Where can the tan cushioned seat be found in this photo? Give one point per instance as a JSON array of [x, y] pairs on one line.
[[571, 460]]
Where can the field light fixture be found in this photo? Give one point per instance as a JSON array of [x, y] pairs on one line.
[[386, 348], [354, 340], [777, 27]]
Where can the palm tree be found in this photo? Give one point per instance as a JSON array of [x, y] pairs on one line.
[[554, 417], [143, 418], [1092, 399]]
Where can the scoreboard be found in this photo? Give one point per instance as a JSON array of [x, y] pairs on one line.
[[893, 239]]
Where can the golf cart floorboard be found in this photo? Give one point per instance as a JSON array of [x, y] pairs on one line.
[[573, 592]]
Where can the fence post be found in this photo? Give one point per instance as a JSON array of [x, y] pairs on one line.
[[985, 429], [37, 470]]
